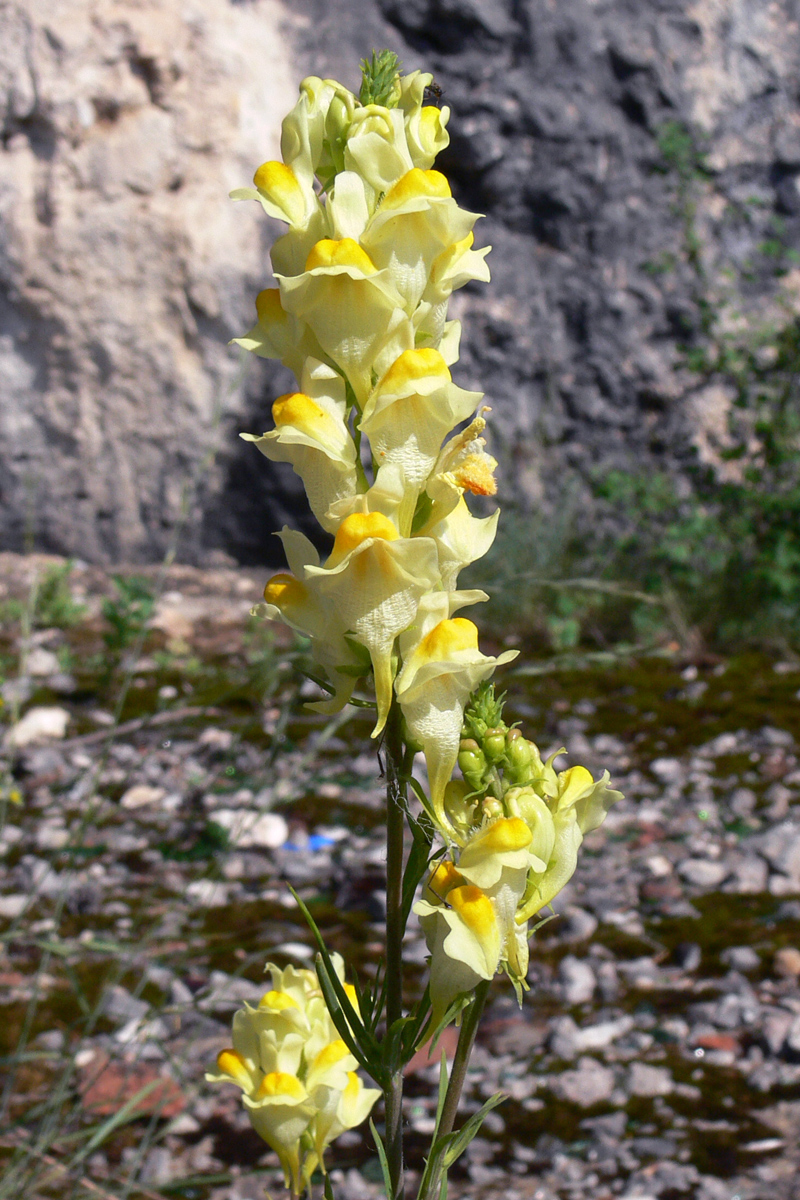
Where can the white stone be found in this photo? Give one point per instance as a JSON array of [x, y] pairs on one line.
[[590, 1084], [40, 663], [141, 795], [701, 872], [208, 893], [646, 1080], [40, 724], [578, 980], [247, 829], [12, 907]]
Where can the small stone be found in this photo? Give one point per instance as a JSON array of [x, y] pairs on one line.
[[12, 907], [577, 925], [668, 770], [208, 893], [141, 795], [646, 1080], [702, 872], [578, 980], [216, 739], [740, 958], [787, 962], [748, 875], [688, 956], [40, 663], [590, 1084], [38, 725]]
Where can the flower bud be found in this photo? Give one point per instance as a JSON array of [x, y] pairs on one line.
[[472, 762], [494, 743], [519, 757]]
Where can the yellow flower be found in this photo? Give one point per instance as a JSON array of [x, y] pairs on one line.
[[295, 600], [296, 1074], [278, 334], [577, 805], [352, 309], [407, 415], [438, 675], [311, 433], [417, 220], [426, 134], [463, 937], [375, 580]]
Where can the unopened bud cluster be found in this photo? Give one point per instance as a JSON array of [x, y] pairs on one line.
[[516, 826]]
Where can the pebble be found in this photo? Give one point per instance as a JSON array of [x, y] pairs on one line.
[[141, 796], [647, 1080], [40, 663], [787, 962], [39, 724], [591, 1083], [702, 872], [578, 980]]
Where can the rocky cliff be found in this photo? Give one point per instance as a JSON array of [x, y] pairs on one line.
[[638, 164]]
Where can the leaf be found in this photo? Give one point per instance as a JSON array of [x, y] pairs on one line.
[[416, 1030], [355, 1035], [387, 1179], [458, 1142], [417, 863], [329, 1189], [342, 1023]]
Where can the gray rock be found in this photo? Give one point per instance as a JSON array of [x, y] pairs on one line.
[[557, 134], [702, 872], [781, 848], [741, 958], [647, 1080], [590, 1084]]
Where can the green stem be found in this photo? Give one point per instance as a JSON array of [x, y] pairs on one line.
[[429, 1186], [395, 833]]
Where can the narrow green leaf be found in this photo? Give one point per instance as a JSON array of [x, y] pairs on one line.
[[444, 1079], [121, 1117], [342, 1024], [329, 1189], [417, 863], [356, 1029], [470, 1129], [443, 1192], [387, 1178]]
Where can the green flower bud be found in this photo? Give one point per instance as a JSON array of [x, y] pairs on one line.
[[494, 743], [472, 762], [519, 757]]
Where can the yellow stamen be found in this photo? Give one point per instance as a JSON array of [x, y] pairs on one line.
[[475, 474]]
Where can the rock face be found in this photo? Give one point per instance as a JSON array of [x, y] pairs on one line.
[[638, 165]]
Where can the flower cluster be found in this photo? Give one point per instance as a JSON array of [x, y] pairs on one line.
[[376, 244], [517, 825], [298, 1079]]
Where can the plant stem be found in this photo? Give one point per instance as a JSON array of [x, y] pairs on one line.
[[395, 831], [429, 1187]]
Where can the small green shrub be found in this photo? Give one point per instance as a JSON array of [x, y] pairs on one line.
[[128, 612]]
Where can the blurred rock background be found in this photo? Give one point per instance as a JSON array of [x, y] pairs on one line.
[[638, 166]]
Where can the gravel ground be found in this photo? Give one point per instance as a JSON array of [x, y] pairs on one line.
[[144, 885]]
